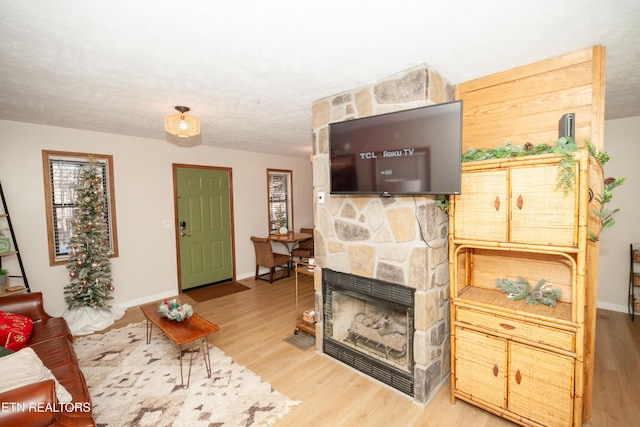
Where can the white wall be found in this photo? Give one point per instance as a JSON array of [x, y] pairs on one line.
[[146, 268], [621, 141]]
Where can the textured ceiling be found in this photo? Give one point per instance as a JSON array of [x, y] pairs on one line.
[[250, 69]]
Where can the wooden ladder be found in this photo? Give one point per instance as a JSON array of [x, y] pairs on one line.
[[11, 250]]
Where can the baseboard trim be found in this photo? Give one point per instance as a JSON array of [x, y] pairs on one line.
[[147, 299], [612, 307]]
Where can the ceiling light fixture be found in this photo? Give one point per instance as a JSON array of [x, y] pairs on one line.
[[181, 124]]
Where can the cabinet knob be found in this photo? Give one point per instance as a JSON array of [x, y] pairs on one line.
[[520, 202], [507, 326], [496, 203], [518, 376], [495, 370]]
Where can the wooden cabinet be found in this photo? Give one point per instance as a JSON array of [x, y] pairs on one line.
[[516, 202], [541, 213], [481, 367], [514, 377], [480, 203], [540, 385], [521, 361]]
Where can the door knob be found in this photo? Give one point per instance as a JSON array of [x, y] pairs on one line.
[[183, 234]]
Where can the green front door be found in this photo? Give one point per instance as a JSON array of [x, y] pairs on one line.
[[204, 226]]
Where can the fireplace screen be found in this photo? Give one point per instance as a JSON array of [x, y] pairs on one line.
[[368, 324], [371, 326]]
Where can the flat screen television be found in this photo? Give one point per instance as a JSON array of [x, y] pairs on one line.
[[414, 151]]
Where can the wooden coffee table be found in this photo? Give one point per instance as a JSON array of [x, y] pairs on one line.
[[186, 332]]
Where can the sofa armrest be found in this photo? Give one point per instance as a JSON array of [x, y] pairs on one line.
[[29, 305], [29, 405]]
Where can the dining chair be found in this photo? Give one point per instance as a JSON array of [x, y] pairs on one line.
[[305, 247], [265, 257]]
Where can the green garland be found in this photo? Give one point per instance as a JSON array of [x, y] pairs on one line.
[[604, 213], [521, 289], [442, 202], [565, 146]]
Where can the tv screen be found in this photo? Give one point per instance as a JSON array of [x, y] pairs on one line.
[[413, 151]]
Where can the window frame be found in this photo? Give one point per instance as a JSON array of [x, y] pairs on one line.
[[48, 157], [271, 220]]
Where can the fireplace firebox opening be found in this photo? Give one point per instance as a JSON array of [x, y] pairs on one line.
[[368, 324]]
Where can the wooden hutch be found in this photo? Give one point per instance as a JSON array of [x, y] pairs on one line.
[[531, 364]]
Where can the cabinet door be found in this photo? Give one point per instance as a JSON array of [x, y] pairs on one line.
[[540, 213], [540, 385], [480, 366], [481, 210]]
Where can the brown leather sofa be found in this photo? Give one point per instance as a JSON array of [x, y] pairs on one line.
[[52, 341]]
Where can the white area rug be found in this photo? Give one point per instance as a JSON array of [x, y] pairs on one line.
[[135, 384]]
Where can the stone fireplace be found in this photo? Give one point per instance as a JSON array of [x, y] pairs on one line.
[[400, 241]]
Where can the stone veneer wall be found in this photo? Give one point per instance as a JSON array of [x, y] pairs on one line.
[[378, 237]]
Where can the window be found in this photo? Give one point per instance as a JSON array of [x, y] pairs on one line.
[[60, 174], [280, 199]]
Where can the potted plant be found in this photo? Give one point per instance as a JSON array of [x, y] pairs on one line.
[[4, 277]]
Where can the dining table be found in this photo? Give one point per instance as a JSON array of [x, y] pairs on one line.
[[290, 240]]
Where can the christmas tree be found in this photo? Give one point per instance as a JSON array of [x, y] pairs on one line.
[[88, 265]]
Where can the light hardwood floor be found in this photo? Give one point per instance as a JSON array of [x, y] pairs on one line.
[[254, 323]]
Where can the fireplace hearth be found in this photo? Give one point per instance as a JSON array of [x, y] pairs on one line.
[[368, 325]]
